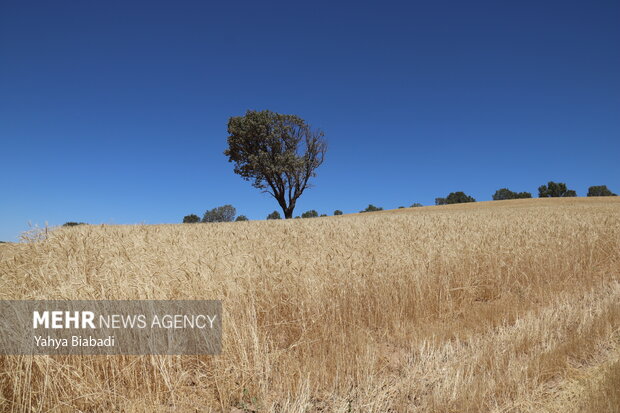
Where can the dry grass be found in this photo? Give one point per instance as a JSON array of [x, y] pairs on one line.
[[508, 306]]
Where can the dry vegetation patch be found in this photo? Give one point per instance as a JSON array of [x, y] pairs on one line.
[[496, 306]]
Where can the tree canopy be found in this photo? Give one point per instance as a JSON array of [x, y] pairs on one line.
[[191, 219], [277, 153], [454, 198], [506, 193], [372, 208], [459, 198], [600, 190], [225, 213], [555, 190], [274, 215], [310, 214]]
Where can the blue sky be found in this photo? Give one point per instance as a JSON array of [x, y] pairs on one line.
[[116, 112]]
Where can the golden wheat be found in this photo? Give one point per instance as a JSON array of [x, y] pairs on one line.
[[496, 306]]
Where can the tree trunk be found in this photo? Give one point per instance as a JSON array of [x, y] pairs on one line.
[[287, 209]]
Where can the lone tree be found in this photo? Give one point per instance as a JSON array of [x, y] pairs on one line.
[[241, 218], [278, 153], [600, 190], [225, 213], [555, 190], [191, 219], [337, 212], [506, 193]]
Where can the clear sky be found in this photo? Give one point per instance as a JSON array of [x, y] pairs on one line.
[[116, 112]]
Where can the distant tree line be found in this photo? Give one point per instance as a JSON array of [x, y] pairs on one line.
[[227, 213], [550, 190]]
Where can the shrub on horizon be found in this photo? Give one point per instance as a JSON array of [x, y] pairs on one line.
[[337, 212], [555, 190], [241, 218], [310, 214], [191, 219], [459, 198], [73, 224], [225, 213], [600, 190], [274, 215], [505, 193], [372, 208], [454, 198]]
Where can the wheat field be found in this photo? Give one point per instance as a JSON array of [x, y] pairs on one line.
[[503, 306]]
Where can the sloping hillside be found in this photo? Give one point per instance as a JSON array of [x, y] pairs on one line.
[[492, 306]]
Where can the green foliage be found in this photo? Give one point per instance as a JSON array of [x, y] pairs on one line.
[[555, 190], [323, 215], [600, 190], [454, 198], [337, 212], [310, 214], [241, 218], [225, 213], [459, 198], [401, 207], [277, 153], [274, 215], [372, 208], [506, 193], [191, 219], [73, 224], [416, 205]]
